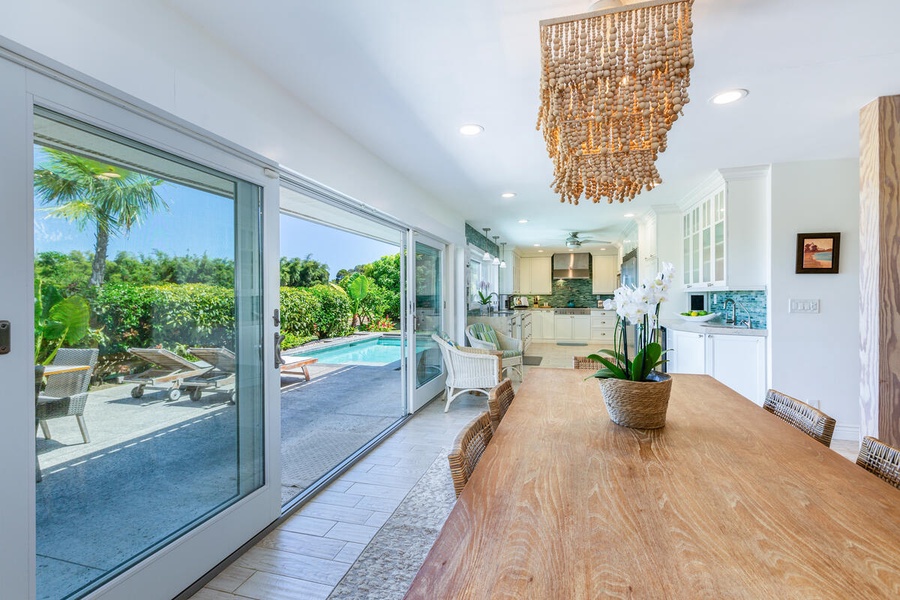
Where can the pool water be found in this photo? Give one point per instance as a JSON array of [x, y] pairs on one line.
[[374, 352]]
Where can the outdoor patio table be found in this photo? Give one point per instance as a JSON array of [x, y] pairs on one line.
[[725, 501], [292, 363]]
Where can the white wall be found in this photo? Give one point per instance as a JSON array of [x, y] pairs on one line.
[[148, 51], [815, 357]]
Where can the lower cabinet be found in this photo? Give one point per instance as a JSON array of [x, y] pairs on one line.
[[562, 327], [738, 361]]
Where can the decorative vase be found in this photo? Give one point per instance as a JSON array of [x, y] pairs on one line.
[[637, 404]]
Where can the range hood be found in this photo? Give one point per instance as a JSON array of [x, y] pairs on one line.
[[572, 265]]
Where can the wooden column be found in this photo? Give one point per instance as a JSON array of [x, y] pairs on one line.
[[879, 272]]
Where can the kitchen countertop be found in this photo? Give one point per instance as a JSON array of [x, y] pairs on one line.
[[694, 327]]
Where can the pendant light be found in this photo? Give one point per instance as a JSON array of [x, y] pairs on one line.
[[487, 255], [502, 255], [496, 258]]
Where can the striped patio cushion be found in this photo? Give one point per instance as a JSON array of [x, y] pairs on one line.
[[485, 333]]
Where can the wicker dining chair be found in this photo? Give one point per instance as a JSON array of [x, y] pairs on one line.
[[583, 362], [499, 399], [884, 461], [468, 447], [811, 421], [65, 395]]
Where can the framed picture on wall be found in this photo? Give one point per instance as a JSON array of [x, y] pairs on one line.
[[818, 252]]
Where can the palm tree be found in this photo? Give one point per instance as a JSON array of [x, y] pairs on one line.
[[87, 192]]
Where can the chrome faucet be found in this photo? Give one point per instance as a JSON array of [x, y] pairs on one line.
[[733, 319]]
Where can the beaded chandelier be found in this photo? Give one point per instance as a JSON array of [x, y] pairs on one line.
[[612, 84]]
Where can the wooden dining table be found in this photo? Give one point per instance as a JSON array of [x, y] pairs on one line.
[[725, 501]]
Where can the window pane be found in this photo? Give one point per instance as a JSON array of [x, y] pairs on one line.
[[140, 290]]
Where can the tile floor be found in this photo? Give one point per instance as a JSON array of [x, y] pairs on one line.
[[309, 554]]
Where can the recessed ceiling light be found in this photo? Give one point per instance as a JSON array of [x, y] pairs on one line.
[[728, 96], [471, 129], [540, 250], [628, 215], [602, 249], [508, 195], [523, 220], [537, 245]]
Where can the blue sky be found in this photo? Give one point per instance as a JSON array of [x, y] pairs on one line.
[[199, 222]]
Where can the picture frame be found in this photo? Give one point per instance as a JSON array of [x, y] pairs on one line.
[[818, 252]]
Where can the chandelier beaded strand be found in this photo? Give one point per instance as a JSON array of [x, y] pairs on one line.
[[612, 84]]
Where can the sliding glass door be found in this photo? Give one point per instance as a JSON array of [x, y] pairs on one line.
[[135, 443], [427, 318]]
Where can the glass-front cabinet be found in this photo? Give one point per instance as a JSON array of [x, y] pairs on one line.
[[704, 241]]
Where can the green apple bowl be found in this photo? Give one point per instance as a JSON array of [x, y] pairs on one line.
[[703, 319]]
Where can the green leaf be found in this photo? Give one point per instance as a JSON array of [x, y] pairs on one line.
[[74, 315], [646, 360], [616, 370]]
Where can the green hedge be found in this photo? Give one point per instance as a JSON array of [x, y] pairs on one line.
[[179, 316]]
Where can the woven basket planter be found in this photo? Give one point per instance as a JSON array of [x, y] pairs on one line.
[[637, 404]]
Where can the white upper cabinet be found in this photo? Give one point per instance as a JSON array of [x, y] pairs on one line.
[[603, 276], [535, 276], [723, 232]]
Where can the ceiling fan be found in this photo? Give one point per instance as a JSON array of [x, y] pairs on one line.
[[573, 241]]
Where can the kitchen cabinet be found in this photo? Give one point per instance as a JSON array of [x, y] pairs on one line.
[[703, 242], [688, 352], [603, 275], [738, 361], [572, 327], [537, 325], [603, 326], [535, 276], [548, 325]]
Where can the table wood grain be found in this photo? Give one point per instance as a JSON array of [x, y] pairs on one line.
[[726, 501], [60, 369]]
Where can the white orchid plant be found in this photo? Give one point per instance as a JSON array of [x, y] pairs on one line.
[[640, 306]]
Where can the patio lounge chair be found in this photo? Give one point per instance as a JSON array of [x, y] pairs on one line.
[[222, 374], [65, 394], [468, 369], [172, 374], [482, 335]]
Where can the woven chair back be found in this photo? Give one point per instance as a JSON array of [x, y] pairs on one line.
[[884, 461], [499, 399], [583, 362], [811, 421], [470, 444], [69, 384]]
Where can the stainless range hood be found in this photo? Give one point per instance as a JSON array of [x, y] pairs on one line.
[[572, 265]]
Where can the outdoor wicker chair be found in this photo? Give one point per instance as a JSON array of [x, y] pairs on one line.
[[811, 421], [884, 461], [583, 362], [482, 335], [468, 369], [499, 399], [38, 382], [65, 394], [468, 447]]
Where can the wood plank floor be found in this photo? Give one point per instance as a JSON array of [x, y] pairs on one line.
[[309, 554]]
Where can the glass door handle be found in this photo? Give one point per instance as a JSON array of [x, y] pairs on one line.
[[278, 360]]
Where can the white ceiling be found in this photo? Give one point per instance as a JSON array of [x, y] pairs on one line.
[[401, 76]]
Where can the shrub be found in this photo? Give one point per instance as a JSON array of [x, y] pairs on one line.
[[334, 313], [173, 316], [298, 312], [293, 341]]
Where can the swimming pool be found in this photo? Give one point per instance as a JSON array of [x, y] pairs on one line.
[[379, 351]]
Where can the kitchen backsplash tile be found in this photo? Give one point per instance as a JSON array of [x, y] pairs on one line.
[[577, 291], [754, 302]]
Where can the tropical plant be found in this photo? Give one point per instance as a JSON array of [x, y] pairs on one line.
[[88, 192], [639, 306], [358, 289], [57, 320]]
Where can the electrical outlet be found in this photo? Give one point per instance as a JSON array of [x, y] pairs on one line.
[[803, 306]]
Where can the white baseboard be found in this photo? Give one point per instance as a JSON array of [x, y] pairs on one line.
[[846, 432]]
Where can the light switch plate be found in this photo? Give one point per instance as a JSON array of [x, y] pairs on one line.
[[803, 306]]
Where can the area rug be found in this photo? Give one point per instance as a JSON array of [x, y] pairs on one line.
[[532, 361], [571, 343], [388, 565]]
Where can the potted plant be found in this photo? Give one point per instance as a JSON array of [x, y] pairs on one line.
[[634, 393], [484, 296]]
